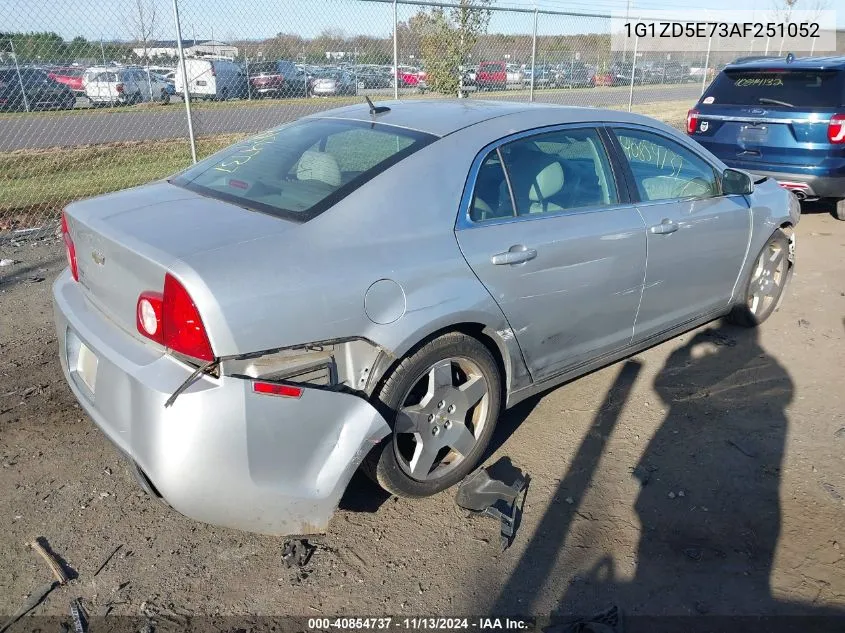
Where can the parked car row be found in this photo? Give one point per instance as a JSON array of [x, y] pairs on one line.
[[108, 85], [32, 89], [37, 88]]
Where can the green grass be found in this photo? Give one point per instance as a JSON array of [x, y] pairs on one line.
[[36, 184]]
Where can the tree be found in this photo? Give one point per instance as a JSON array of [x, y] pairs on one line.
[[447, 37], [142, 25]]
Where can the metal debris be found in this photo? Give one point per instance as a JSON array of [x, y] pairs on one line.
[[832, 491], [741, 449], [297, 552], [107, 559], [482, 494], [80, 623], [607, 621]]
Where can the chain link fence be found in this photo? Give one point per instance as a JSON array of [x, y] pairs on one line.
[[150, 85]]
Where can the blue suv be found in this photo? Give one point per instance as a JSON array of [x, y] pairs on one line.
[[782, 118]]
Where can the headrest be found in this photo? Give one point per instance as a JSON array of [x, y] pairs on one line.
[[318, 166], [549, 182]]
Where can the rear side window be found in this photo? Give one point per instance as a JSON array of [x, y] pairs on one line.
[[546, 173], [559, 171], [778, 88], [300, 170]]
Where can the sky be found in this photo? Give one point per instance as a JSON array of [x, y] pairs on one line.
[[258, 19]]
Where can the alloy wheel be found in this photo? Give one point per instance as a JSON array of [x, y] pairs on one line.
[[768, 278], [440, 419]]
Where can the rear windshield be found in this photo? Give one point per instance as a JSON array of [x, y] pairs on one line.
[[778, 88], [300, 170], [263, 68]]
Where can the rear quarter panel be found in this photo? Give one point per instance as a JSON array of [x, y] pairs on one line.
[[313, 284]]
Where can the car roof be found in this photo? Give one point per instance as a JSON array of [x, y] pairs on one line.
[[444, 116], [782, 63]]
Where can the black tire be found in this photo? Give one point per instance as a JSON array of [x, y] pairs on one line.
[[165, 96], [839, 209], [744, 314], [382, 464], [224, 94], [135, 99]]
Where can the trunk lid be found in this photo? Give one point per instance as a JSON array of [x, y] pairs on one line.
[[127, 241], [766, 136]]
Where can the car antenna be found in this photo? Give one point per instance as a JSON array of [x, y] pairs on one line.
[[374, 109]]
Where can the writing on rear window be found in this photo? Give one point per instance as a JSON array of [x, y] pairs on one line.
[[758, 81], [246, 152]]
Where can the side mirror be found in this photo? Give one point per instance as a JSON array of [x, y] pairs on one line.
[[736, 182]]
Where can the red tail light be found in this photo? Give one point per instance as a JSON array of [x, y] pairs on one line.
[[692, 121], [171, 318], [836, 129], [119, 88], [70, 249], [213, 71], [275, 389]]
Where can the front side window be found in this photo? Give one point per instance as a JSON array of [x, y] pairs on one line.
[[664, 169], [300, 170], [559, 171]]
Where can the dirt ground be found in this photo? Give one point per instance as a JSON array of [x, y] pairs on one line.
[[704, 476]]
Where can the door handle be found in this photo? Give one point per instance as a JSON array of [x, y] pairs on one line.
[[516, 254], [664, 228]]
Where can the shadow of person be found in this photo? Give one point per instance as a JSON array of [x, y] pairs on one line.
[[709, 503]]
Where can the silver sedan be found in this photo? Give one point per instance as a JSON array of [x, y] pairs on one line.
[[371, 287]]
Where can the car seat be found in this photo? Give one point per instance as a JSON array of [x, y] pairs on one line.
[[318, 166]]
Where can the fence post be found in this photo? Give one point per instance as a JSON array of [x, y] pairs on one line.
[[249, 83], [395, 53], [633, 74], [533, 58], [18, 70], [186, 96], [706, 65]]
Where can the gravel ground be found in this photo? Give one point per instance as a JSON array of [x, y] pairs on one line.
[[703, 476]]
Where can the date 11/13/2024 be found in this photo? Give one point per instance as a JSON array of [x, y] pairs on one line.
[[419, 623]]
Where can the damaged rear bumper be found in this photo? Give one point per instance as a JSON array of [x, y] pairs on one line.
[[222, 453]]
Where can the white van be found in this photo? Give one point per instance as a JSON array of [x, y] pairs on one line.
[[114, 85], [216, 79]]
